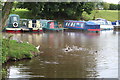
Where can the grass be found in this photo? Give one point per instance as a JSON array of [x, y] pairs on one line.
[[12, 50], [23, 13], [21, 50], [110, 15]]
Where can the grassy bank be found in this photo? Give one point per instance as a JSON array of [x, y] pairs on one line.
[[111, 15], [13, 50], [23, 13]]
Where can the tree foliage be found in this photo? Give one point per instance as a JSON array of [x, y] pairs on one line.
[[118, 6], [106, 6], [114, 7], [53, 10]]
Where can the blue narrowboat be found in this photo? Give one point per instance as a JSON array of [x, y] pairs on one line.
[[104, 24], [89, 26], [74, 24], [51, 25], [13, 23]]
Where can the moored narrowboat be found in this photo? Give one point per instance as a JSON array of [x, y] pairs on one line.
[[81, 25], [104, 24], [13, 23], [71, 24], [50, 25], [35, 26]]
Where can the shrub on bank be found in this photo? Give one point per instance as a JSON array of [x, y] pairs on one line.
[[13, 50]]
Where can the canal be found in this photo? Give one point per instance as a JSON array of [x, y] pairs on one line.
[[69, 54]]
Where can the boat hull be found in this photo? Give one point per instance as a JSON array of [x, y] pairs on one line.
[[12, 30], [53, 29], [106, 27], [37, 30]]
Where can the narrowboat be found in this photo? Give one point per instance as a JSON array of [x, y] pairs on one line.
[[13, 23], [30, 25], [71, 24], [104, 24], [81, 25], [34, 25], [50, 25]]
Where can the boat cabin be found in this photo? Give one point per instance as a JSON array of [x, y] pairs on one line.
[[13, 24], [13, 21], [50, 25], [74, 24], [104, 24], [34, 25]]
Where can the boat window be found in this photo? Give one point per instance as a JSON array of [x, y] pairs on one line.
[[15, 19], [119, 22], [78, 23], [67, 24], [101, 23], [72, 24], [24, 23], [43, 25], [82, 25]]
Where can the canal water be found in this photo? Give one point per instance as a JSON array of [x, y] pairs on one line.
[[69, 54]]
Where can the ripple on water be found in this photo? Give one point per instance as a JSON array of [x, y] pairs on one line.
[[47, 62]]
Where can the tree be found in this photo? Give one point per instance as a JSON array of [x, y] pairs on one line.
[[6, 11], [106, 6], [97, 6], [113, 7], [63, 10], [118, 6]]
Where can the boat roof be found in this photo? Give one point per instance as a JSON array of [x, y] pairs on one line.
[[46, 20], [117, 21], [91, 23], [100, 19], [24, 19], [73, 21], [13, 15]]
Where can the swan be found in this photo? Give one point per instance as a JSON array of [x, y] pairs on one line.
[[38, 47], [68, 48], [27, 42]]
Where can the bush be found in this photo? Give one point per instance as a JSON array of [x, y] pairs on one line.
[[11, 49]]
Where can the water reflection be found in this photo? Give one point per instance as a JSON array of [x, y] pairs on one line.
[[95, 59]]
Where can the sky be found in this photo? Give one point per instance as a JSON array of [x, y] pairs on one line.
[[108, 1], [112, 1]]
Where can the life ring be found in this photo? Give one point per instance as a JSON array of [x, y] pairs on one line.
[[15, 24]]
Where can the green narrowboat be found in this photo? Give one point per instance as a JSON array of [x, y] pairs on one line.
[[13, 23], [50, 25]]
